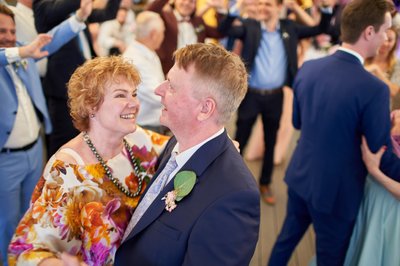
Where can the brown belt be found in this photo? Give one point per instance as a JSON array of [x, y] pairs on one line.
[[266, 91]]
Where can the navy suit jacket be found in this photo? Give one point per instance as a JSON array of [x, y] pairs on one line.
[[250, 33], [336, 101], [216, 224]]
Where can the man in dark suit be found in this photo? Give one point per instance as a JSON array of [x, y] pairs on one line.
[[270, 53], [336, 101], [217, 223], [182, 26], [62, 64]]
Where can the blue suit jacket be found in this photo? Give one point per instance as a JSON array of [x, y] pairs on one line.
[[30, 77], [216, 224], [333, 111]]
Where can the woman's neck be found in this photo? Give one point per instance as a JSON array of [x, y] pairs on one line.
[[106, 146]]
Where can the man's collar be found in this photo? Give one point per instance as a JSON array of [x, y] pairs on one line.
[[352, 52]]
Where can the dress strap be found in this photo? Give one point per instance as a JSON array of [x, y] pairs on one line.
[[73, 154]]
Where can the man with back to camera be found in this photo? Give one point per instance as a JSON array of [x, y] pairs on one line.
[[336, 101]]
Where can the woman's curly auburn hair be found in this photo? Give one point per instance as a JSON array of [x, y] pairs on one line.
[[87, 85]]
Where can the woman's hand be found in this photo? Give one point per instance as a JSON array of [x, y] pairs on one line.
[[371, 160], [65, 260]]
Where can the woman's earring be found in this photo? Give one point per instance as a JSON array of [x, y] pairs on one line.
[[91, 115]]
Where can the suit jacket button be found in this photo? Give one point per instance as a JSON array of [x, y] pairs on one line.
[[15, 112], [8, 132]]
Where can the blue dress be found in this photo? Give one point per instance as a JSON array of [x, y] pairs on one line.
[[376, 236]]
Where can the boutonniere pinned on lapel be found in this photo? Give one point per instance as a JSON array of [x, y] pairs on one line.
[[285, 35], [21, 63], [199, 29], [183, 184]]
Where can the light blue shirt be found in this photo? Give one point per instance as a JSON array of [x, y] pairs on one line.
[[270, 65]]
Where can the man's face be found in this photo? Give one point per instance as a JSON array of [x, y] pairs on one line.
[[180, 106], [121, 16], [268, 9], [380, 36], [7, 32], [185, 7]]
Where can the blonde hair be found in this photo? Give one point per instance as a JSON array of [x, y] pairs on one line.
[[219, 72], [87, 85], [391, 58]]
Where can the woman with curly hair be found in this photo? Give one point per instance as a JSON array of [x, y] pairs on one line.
[[91, 185]]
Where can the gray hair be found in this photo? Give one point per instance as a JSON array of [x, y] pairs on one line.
[[146, 22]]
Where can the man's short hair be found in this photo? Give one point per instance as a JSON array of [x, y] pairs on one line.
[[218, 72], [147, 21], [6, 11], [359, 14]]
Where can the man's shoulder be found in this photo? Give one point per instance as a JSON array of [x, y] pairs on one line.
[[233, 170]]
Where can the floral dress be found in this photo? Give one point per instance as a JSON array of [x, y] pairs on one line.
[[75, 208]]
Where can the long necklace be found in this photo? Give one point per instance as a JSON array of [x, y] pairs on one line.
[[107, 169]]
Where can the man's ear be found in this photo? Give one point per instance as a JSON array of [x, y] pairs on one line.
[[369, 32], [207, 109]]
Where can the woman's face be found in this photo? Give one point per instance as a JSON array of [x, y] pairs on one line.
[[117, 113], [388, 45]]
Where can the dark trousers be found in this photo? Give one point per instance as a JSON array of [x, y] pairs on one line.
[[332, 233], [63, 129], [270, 108]]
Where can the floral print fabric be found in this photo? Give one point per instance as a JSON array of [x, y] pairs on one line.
[[76, 209]]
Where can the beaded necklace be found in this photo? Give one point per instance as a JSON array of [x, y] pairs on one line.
[[107, 169]]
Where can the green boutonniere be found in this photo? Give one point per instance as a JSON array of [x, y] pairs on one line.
[[183, 183]]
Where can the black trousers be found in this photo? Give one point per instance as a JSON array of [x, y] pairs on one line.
[[270, 108]]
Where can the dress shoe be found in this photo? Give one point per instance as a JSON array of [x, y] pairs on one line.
[[266, 194]]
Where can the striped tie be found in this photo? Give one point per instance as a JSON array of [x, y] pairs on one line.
[[151, 194]]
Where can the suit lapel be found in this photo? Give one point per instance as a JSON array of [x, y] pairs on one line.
[[285, 37], [198, 163]]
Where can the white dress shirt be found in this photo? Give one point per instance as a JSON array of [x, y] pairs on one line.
[[148, 64], [26, 126], [186, 33], [112, 31]]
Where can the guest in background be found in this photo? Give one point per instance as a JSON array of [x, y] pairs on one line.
[[62, 64], [182, 27], [114, 35], [270, 53], [93, 183], [386, 66], [25, 28], [142, 53], [22, 110]]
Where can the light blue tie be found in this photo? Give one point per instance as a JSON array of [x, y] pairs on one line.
[[151, 194]]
